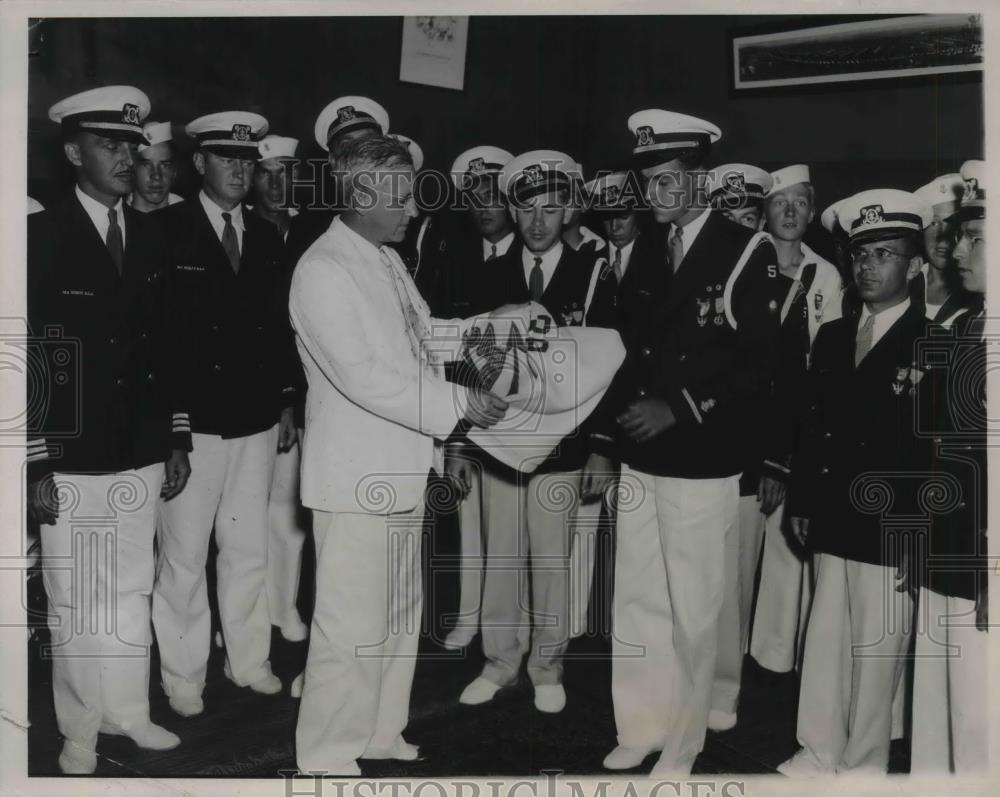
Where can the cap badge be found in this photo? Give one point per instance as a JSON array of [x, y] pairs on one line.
[[130, 114], [345, 114], [872, 214], [477, 165], [644, 136], [241, 132], [611, 194], [971, 189], [533, 174], [736, 182]]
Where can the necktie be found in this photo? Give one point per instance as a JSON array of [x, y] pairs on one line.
[[616, 267], [229, 242], [493, 252], [676, 245], [863, 344], [536, 283], [114, 241]]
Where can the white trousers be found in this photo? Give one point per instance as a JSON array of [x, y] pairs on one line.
[[950, 687], [363, 639], [742, 552], [286, 536], [527, 516], [229, 484], [859, 632], [97, 568], [669, 585], [783, 600], [470, 573]]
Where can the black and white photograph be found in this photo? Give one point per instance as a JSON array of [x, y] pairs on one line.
[[584, 400]]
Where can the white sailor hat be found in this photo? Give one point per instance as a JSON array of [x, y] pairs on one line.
[[883, 213], [789, 175], [111, 111], [942, 193], [231, 134], [613, 193], [416, 153], [661, 136], [736, 185], [477, 163], [345, 114], [829, 217], [277, 147], [974, 198], [156, 133], [537, 172]]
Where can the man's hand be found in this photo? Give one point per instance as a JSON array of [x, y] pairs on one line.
[[175, 474], [458, 471], [485, 409], [43, 503], [770, 493], [646, 418], [800, 529], [287, 433], [598, 475]]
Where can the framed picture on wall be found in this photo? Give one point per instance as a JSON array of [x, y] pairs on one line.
[[898, 47], [433, 51]]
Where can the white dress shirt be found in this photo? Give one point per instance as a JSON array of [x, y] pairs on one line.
[[883, 320], [550, 260], [690, 230], [502, 246], [214, 213], [99, 214], [626, 254]]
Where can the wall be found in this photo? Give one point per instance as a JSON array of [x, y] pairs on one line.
[[556, 82]]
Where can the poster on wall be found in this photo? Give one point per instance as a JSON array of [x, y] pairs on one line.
[[433, 51], [928, 44]]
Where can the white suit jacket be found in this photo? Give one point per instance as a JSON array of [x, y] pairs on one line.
[[372, 408]]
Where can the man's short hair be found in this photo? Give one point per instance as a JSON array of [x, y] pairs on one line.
[[368, 154]]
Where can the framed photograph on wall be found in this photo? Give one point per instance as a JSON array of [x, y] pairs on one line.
[[898, 47], [433, 51]]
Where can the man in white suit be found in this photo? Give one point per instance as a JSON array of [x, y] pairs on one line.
[[377, 399]]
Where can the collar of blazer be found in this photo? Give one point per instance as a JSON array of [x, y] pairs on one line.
[[895, 344], [95, 250]]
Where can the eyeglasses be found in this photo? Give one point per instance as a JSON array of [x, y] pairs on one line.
[[879, 255]]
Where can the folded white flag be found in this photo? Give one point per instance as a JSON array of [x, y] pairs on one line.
[[553, 377]]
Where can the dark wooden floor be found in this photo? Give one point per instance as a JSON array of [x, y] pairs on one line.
[[242, 734]]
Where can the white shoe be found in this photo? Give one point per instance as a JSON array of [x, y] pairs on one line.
[[187, 706], [804, 764], [672, 768], [297, 684], [76, 759], [401, 750], [480, 691], [270, 684], [623, 757], [550, 698], [294, 630], [459, 638], [721, 720], [148, 735]]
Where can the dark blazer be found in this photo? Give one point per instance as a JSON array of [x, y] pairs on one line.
[[243, 356], [112, 380], [614, 305], [954, 426], [859, 465], [705, 341]]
